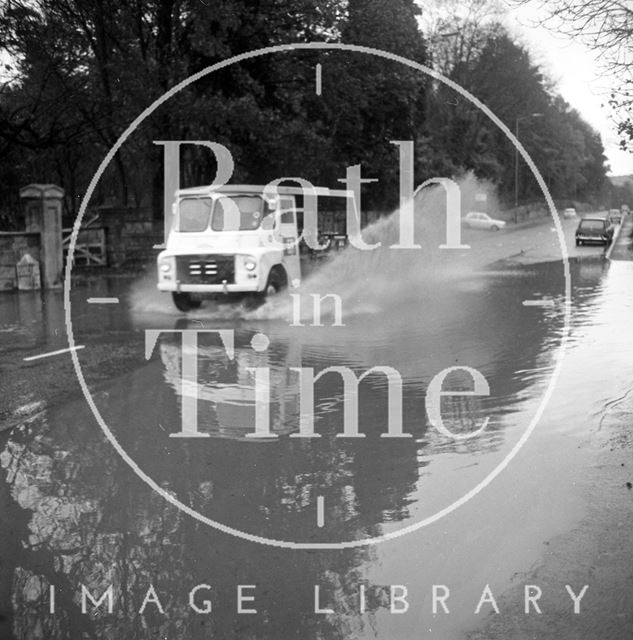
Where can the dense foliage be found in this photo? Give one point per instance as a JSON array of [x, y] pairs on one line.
[[77, 72], [607, 27]]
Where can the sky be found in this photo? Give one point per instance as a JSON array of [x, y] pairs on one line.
[[576, 70]]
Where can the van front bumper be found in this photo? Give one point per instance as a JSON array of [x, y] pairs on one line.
[[208, 288]]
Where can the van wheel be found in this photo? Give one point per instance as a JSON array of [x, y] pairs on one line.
[[272, 287], [276, 282], [184, 301]]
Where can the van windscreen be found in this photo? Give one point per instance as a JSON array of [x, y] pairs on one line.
[[237, 213], [193, 214]]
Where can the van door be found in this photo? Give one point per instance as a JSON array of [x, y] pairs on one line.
[[288, 236]]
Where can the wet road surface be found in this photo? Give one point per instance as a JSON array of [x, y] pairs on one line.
[[75, 513]]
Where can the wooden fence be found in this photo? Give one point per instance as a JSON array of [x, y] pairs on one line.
[[90, 248]]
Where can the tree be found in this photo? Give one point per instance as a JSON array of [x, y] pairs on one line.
[[607, 27], [87, 69], [480, 56]]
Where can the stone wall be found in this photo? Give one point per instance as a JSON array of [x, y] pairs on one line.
[[14, 245]]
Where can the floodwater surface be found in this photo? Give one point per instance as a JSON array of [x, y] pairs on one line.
[[224, 507]]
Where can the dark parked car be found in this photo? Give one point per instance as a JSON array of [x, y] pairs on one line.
[[594, 229]]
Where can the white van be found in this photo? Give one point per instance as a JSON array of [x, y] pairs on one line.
[[232, 240]]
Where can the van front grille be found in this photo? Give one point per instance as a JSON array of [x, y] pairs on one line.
[[205, 269]]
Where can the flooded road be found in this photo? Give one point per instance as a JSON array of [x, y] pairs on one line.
[[290, 521]]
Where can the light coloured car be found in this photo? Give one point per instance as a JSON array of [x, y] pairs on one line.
[[477, 220], [570, 212], [615, 216]]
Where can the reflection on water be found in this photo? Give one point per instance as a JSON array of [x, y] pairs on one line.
[[368, 483], [91, 524], [226, 388], [76, 514], [31, 318]]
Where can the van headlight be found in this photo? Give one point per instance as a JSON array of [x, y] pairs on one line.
[[250, 264], [166, 267]]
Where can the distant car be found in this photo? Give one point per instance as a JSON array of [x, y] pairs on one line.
[[615, 216], [594, 229], [570, 212], [483, 221]]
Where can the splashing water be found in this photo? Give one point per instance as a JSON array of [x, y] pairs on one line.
[[366, 281], [371, 281]]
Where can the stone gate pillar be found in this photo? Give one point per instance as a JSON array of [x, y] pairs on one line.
[[43, 206]]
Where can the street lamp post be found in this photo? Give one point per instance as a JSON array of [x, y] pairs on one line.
[[516, 161]]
